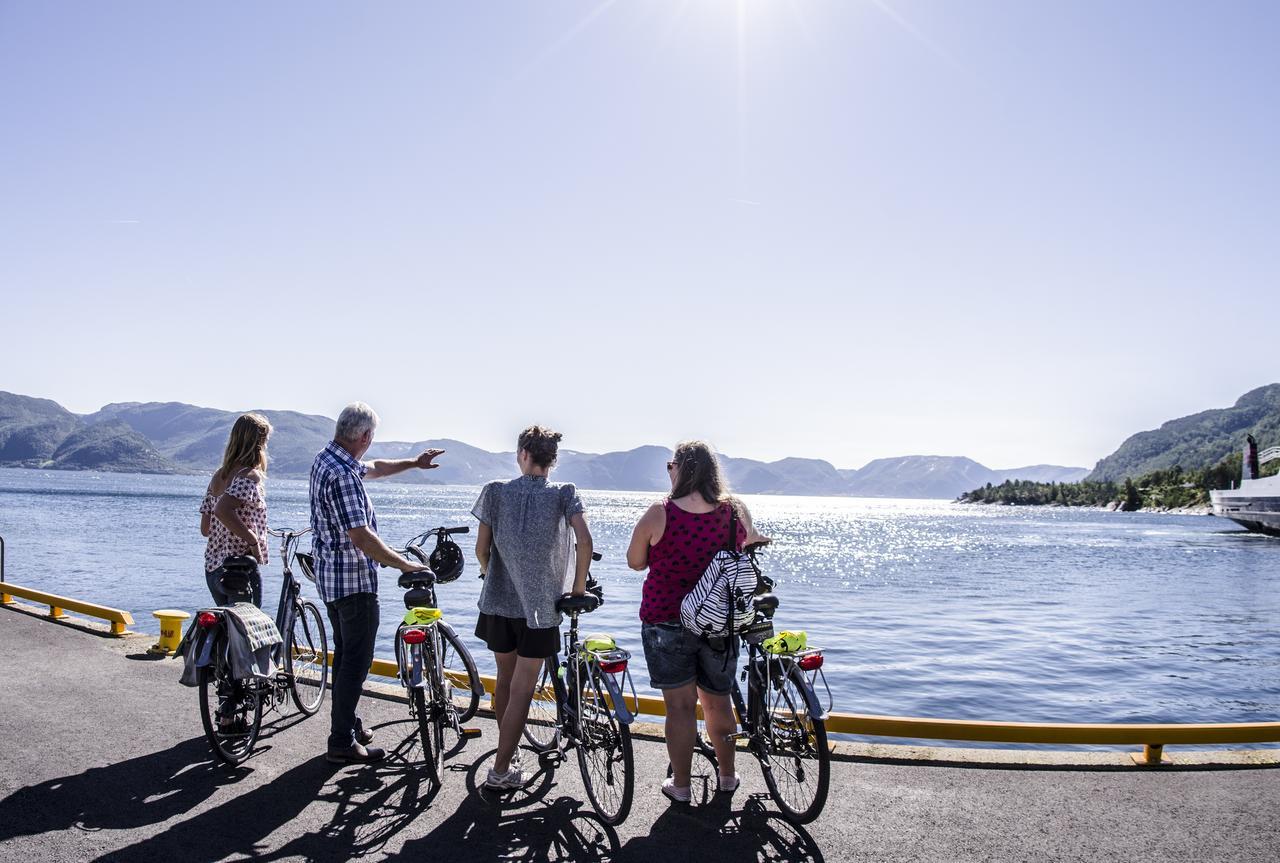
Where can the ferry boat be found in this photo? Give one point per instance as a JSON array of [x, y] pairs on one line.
[[1256, 503]]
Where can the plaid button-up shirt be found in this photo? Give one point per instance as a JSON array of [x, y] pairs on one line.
[[339, 503]]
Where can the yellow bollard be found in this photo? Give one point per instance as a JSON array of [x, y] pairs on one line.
[[170, 631]]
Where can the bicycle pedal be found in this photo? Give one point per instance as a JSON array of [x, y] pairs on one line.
[[469, 733]]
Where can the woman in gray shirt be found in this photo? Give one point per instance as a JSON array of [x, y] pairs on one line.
[[527, 527]]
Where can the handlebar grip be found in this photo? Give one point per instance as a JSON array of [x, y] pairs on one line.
[[457, 530], [595, 555]]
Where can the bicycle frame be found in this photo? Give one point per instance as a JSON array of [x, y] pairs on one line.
[[759, 671], [577, 659], [290, 589]]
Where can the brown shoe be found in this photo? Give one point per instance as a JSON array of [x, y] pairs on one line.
[[357, 754]]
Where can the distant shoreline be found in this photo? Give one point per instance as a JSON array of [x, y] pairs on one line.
[[1196, 509]]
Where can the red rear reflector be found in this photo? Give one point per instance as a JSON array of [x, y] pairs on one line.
[[206, 619], [413, 636], [613, 667], [811, 662]]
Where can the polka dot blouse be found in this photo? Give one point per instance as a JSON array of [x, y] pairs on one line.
[[252, 511]]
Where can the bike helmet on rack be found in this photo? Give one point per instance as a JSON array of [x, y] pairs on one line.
[[446, 561]]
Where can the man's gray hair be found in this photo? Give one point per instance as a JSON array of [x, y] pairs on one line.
[[355, 419]]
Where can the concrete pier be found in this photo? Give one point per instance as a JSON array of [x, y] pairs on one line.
[[104, 760]]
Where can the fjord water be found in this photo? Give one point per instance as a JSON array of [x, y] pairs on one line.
[[925, 608]]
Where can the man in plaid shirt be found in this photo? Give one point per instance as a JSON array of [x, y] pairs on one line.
[[347, 553]]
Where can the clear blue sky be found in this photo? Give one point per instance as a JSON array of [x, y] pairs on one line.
[[1015, 231]]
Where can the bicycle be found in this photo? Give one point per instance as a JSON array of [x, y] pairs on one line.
[[231, 710], [430, 656], [579, 704], [782, 719]]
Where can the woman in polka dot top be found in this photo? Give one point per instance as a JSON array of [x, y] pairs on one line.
[[676, 539], [233, 514]]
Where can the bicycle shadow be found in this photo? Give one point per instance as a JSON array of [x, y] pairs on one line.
[[560, 829], [715, 831], [137, 792]]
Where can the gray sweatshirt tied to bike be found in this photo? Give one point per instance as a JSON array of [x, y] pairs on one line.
[[532, 541]]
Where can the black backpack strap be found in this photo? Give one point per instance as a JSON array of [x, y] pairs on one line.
[[733, 528]]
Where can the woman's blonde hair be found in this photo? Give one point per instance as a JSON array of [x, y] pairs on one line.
[[247, 445]]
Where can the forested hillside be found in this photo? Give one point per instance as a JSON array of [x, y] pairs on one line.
[[1197, 441]]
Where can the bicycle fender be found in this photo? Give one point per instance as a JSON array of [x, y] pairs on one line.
[[620, 709], [477, 686], [816, 710], [415, 679]]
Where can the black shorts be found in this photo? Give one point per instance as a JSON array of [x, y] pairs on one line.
[[505, 634]]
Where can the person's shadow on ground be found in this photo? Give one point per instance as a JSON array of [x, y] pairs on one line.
[[129, 794], [372, 804]]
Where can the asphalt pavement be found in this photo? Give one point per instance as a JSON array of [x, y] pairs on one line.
[[104, 760]]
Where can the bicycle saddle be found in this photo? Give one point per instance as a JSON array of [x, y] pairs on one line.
[[420, 578], [570, 603], [236, 575], [240, 565]]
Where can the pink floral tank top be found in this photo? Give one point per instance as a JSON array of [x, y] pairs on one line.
[[253, 512], [688, 543]]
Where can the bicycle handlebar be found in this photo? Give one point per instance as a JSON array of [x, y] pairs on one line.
[[285, 532], [438, 533]]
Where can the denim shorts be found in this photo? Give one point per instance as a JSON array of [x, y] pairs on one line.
[[676, 658]]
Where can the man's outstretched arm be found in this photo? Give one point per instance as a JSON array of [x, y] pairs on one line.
[[384, 467]]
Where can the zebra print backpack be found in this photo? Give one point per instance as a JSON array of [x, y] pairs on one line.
[[718, 604]]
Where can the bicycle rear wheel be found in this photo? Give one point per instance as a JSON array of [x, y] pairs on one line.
[[430, 732], [604, 751], [306, 657], [461, 679], [230, 713], [797, 762], [542, 727]]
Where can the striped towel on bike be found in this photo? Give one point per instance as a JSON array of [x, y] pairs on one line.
[[259, 629]]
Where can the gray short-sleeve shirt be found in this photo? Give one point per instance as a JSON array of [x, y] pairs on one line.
[[531, 548]]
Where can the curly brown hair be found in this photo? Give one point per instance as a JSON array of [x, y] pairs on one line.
[[541, 443]]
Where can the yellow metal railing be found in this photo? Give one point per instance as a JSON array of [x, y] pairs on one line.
[[60, 605]]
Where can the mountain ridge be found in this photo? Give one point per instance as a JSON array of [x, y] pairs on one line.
[[175, 437]]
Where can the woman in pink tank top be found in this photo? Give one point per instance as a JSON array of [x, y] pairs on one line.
[[676, 539]]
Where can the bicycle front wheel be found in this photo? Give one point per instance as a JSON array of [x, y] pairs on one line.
[[604, 751], [306, 657], [461, 679], [797, 762], [230, 714]]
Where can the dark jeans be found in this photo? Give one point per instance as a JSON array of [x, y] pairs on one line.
[[221, 598], [355, 627]]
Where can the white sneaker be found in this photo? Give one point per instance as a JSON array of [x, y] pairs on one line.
[[675, 793], [729, 784], [513, 778]]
